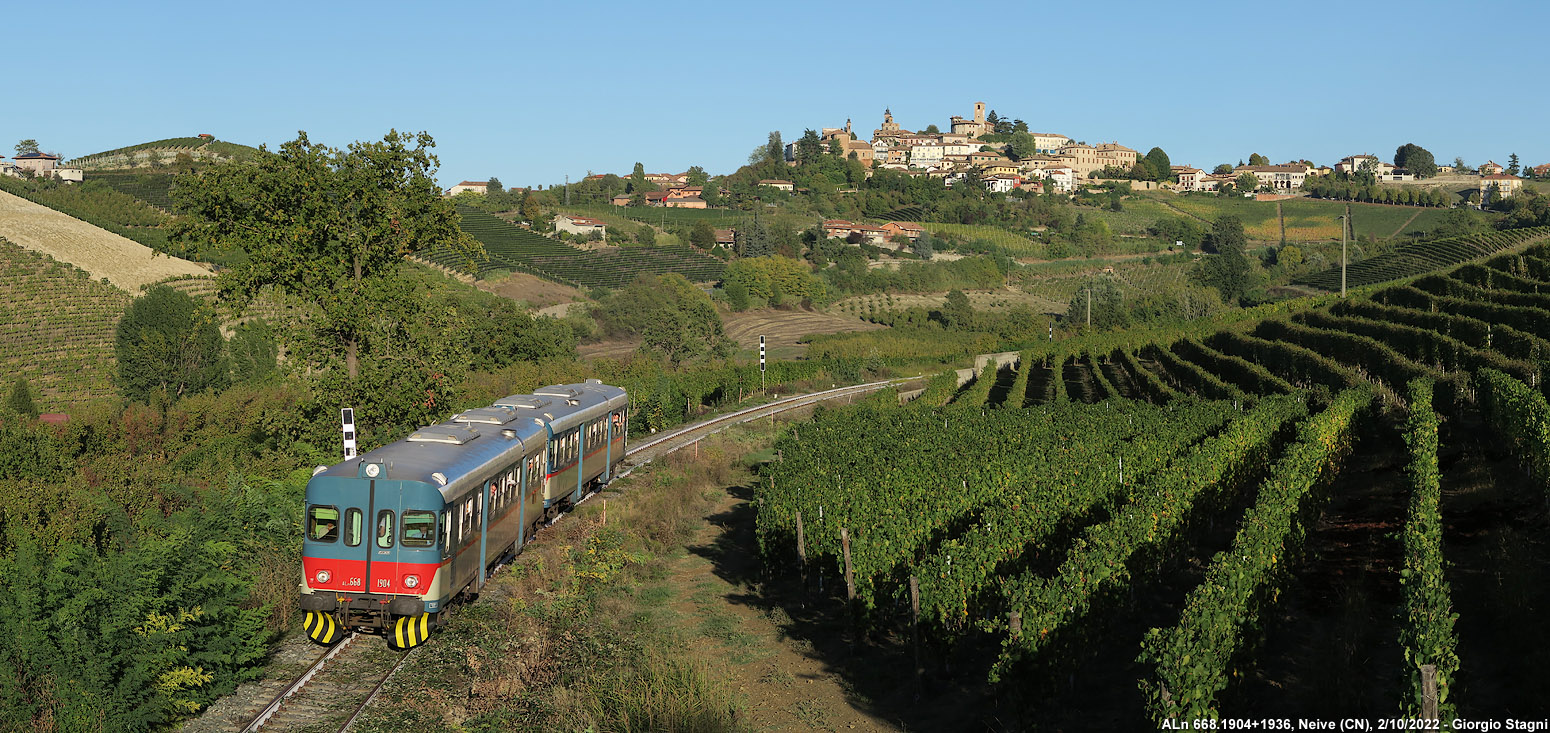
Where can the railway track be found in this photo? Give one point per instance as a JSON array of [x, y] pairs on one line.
[[339, 684]]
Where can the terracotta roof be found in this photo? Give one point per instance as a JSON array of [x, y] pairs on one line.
[[583, 220], [908, 225], [486, 184], [1500, 177], [836, 223], [774, 181], [37, 156]]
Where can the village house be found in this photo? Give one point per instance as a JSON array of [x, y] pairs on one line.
[[925, 156], [1288, 177], [667, 180], [579, 225], [1002, 182], [1491, 168], [779, 184], [1499, 186], [983, 158], [1049, 142], [907, 228], [837, 228], [1540, 171], [37, 163], [958, 148], [1353, 163], [1113, 154], [1189, 178], [475, 186], [999, 168], [726, 238], [1061, 179]]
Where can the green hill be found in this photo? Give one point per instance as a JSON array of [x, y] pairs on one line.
[[1416, 258], [58, 327], [511, 247], [160, 153]]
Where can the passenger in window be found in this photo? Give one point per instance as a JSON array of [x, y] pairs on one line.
[[324, 530]]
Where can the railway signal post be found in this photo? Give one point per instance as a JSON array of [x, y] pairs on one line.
[[761, 363]]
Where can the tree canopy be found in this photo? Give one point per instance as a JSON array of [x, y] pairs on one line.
[[167, 342], [26, 146], [1229, 271], [1257, 159], [328, 226], [1416, 159]]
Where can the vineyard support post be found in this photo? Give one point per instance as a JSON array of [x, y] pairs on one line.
[[915, 628], [850, 578], [1429, 691], [801, 550]]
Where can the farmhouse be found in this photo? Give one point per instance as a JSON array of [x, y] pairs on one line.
[[580, 225], [475, 186], [1499, 186], [1491, 168], [908, 229], [37, 163], [778, 183]]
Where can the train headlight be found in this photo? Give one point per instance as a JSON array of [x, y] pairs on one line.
[[324, 576], [411, 581]]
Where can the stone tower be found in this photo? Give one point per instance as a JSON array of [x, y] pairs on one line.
[[979, 111]]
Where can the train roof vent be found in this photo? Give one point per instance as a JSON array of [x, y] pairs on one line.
[[448, 434], [524, 401], [560, 391], [594, 381], [486, 415]]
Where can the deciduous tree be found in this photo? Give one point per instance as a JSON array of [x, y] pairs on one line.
[[1162, 167], [331, 228], [168, 342], [1416, 159], [1257, 159], [26, 146]]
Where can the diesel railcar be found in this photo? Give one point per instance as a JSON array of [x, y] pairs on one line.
[[394, 535]]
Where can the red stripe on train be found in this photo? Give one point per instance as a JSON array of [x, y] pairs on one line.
[[349, 576]]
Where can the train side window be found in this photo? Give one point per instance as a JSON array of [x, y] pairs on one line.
[[385, 528], [419, 529], [323, 523], [468, 520], [352, 527]]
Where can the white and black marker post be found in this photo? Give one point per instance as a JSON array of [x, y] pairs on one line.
[[347, 419], [761, 363]]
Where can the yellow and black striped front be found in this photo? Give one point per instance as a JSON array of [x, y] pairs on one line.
[[321, 627], [410, 631]]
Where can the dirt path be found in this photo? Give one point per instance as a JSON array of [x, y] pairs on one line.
[[125, 263], [1406, 225], [748, 642], [1181, 211]]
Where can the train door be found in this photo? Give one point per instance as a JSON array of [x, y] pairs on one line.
[[386, 511]]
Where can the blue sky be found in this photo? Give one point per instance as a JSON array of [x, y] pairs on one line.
[[532, 92]]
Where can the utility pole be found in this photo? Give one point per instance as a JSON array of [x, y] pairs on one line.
[[567, 190], [1345, 221]]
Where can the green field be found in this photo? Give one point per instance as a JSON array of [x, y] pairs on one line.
[[511, 247], [1417, 258], [57, 327], [1306, 219], [1016, 245], [153, 188]]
